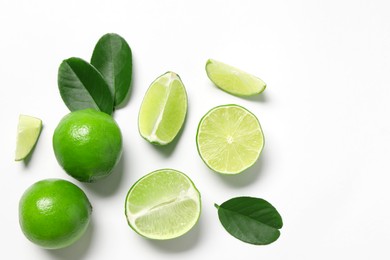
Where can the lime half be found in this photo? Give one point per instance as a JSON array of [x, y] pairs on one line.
[[163, 109], [162, 205], [233, 80], [29, 129], [229, 139]]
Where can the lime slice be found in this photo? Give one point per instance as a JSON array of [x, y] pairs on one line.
[[233, 80], [229, 139], [163, 109], [29, 129], [162, 205]]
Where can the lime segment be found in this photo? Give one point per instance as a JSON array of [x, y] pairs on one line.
[[229, 139], [164, 204], [163, 109], [233, 80], [29, 129]]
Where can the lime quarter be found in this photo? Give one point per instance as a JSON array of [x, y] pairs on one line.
[[163, 109], [29, 129], [233, 80], [229, 139], [162, 205]]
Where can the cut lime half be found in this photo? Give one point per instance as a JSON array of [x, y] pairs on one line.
[[162, 205], [163, 109], [229, 139], [233, 80], [29, 129]]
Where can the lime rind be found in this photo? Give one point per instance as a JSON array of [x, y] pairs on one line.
[[233, 80], [247, 166], [193, 197], [29, 129], [163, 110]]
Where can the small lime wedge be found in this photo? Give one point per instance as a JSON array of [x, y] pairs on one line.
[[229, 139], [163, 109], [162, 205], [29, 129], [233, 80]]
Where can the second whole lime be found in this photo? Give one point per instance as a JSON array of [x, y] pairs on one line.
[[54, 213], [87, 144]]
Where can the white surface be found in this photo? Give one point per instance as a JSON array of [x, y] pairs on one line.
[[325, 115]]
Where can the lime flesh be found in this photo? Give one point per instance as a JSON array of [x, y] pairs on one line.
[[163, 109], [233, 80], [29, 129], [162, 205], [229, 139]]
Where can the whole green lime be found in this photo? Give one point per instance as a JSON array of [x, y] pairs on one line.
[[54, 213], [87, 144]]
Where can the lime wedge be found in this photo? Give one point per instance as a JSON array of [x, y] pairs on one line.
[[229, 139], [233, 80], [163, 109], [162, 205], [29, 129]]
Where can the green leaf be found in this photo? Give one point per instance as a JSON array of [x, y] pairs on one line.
[[112, 57], [82, 86], [251, 220]]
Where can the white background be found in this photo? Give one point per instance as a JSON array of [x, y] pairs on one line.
[[325, 116]]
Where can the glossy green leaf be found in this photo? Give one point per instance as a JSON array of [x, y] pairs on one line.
[[82, 86], [112, 57], [251, 220]]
